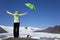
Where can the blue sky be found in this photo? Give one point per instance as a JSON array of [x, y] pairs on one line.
[[47, 12]]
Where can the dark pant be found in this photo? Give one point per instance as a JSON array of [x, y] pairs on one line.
[[16, 30]]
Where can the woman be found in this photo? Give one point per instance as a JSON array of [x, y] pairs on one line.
[[16, 16]]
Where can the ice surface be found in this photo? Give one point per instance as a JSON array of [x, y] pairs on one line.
[[23, 32]]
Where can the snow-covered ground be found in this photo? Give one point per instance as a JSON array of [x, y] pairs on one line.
[[23, 32]]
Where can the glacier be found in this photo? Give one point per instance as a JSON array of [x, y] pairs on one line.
[[23, 32]]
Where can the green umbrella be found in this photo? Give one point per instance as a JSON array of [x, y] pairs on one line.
[[31, 6]]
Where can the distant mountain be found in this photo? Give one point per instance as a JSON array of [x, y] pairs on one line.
[[2, 30], [55, 29]]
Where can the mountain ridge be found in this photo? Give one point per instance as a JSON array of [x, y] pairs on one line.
[[55, 29], [2, 30]]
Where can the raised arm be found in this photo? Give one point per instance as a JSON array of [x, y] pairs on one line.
[[9, 13], [23, 14]]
